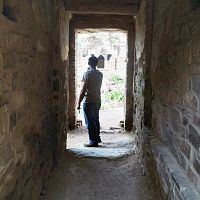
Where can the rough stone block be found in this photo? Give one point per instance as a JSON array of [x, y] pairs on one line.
[[1, 61], [3, 122], [12, 60], [167, 162], [185, 121], [13, 120], [182, 161], [196, 84], [15, 80], [4, 98], [192, 176], [2, 39], [186, 149], [56, 85], [180, 181], [194, 137], [11, 9], [5, 82], [197, 165], [6, 154], [22, 80], [18, 43], [197, 121], [18, 99], [175, 119], [55, 73], [1, 6], [191, 100]]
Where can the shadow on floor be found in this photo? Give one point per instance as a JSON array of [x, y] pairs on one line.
[[80, 177]]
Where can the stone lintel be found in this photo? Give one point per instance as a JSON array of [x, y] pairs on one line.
[[100, 8]]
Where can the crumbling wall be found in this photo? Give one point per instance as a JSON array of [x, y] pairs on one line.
[[175, 80], [28, 127]]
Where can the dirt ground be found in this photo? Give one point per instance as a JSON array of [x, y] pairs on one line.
[[108, 118], [83, 174]]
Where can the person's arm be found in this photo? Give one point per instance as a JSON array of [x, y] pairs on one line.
[[82, 94]]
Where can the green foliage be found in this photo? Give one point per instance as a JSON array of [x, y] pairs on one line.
[[116, 96], [117, 79]]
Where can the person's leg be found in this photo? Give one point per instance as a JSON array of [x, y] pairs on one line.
[[89, 114], [85, 116], [97, 108]]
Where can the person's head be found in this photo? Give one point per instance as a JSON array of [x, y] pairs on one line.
[[93, 61]]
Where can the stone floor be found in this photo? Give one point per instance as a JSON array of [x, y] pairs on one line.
[[85, 174]]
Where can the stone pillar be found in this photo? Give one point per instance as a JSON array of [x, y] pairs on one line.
[[72, 75], [129, 79]]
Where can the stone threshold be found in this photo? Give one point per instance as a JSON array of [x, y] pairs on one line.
[[175, 184]]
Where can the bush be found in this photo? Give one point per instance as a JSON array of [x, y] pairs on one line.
[[116, 96], [117, 79]]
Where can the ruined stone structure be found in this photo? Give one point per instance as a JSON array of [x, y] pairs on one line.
[[31, 70], [35, 82], [167, 73]]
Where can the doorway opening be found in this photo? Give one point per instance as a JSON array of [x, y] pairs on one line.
[[111, 38], [110, 47]]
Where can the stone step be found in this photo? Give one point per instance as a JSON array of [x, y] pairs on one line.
[[174, 182]]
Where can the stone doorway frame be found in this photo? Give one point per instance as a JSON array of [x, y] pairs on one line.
[[125, 23]]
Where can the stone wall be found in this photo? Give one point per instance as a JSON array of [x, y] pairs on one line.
[[140, 76], [175, 80], [29, 133]]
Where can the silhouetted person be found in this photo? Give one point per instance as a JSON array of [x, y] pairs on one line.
[[91, 96]]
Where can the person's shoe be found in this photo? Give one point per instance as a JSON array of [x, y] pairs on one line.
[[91, 145]]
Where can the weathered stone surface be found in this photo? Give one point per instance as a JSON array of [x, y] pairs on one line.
[[175, 80], [18, 100], [5, 83], [18, 43], [3, 123], [28, 127], [13, 120], [192, 176], [194, 137], [6, 154], [186, 149], [13, 60], [56, 85], [197, 121], [122, 7], [1, 61], [197, 165], [1, 6], [15, 81], [11, 9], [175, 176], [185, 121], [195, 84]]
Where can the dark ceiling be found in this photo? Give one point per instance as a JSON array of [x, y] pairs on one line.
[[123, 7]]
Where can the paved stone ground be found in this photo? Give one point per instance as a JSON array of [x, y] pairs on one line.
[[92, 177]]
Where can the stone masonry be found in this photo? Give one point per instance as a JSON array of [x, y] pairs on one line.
[[35, 79], [175, 80], [29, 114]]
